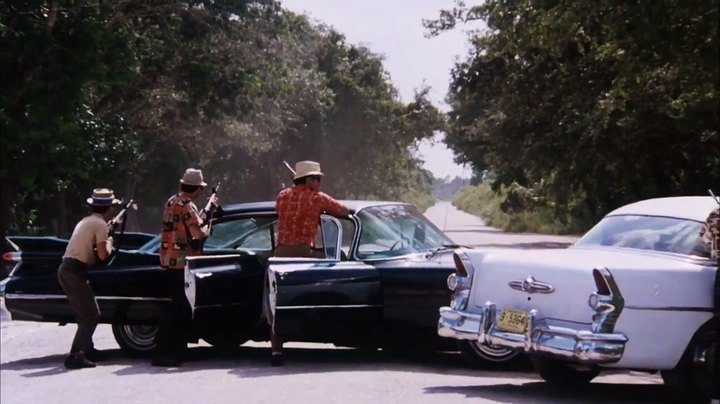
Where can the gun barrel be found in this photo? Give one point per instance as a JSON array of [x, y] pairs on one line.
[[288, 167]]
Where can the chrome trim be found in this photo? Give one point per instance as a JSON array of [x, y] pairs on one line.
[[566, 343], [338, 241], [671, 308], [15, 269], [530, 285], [328, 306], [30, 296], [609, 307]]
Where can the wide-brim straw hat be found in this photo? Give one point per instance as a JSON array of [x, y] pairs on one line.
[[193, 176], [103, 197], [307, 168]]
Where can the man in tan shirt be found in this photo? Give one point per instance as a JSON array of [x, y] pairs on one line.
[[90, 241]]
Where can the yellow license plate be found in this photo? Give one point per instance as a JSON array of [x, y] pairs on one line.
[[512, 320]]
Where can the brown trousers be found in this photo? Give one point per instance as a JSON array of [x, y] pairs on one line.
[[302, 251], [72, 275]]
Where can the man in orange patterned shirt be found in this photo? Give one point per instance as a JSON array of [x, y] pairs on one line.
[[299, 209], [182, 233]]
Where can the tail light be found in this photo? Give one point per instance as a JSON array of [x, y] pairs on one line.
[[12, 256], [601, 283], [463, 266], [607, 302]]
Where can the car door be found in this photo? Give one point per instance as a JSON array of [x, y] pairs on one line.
[[325, 299], [226, 284]]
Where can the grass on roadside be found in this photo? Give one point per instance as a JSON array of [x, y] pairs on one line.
[[482, 201]]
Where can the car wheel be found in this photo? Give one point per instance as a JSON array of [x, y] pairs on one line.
[[692, 378], [476, 353], [562, 373], [135, 339]]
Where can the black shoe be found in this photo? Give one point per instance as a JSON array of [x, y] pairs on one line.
[[277, 360], [96, 355], [78, 361], [167, 362]]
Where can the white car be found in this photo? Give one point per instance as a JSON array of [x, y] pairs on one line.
[[635, 292]]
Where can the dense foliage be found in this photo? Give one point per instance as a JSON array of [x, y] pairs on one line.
[[588, 105], [130, 93]]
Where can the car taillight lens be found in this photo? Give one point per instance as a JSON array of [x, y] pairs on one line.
[[601, 283], [12, 256], [459, 265]]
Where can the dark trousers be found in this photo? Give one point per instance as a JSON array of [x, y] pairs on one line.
[[72, 275], [176, 319]]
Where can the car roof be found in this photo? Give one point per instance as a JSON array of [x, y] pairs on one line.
[[682, 207], [353, 206]]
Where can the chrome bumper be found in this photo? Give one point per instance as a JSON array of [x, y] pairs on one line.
[[565, 343]]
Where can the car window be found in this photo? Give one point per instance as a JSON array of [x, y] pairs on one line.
[[348, 232], [233, 233], [393, 230], [647, 233], [151, 246], [259, 239], [326, 237]]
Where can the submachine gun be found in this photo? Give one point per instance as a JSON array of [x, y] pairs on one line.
[[119, 220], [207, 212]]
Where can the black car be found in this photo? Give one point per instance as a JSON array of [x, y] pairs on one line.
[[380, 283]]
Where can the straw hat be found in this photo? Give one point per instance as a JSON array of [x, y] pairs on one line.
[[193, 176], [103, 197], [307, 168]]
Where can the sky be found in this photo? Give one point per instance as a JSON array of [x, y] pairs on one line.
[[393, 29]]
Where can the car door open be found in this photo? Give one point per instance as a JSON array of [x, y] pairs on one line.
[[325, 299]]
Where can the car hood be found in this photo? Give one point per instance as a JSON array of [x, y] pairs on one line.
[[645, 279]]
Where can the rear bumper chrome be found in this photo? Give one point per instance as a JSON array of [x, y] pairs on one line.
[[564, 343]]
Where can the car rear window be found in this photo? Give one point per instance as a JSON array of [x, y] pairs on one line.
[[654, 233]]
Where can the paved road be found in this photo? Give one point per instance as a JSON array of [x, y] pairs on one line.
[[470, 230], [31, 369]]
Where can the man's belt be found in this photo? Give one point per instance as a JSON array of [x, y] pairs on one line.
[[74, 263]]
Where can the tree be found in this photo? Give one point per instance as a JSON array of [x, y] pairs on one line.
[[593, 104]]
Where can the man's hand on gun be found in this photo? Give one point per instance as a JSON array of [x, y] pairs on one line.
[[213, 203]]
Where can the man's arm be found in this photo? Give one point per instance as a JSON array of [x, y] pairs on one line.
[[332, 206], [103, 243], [198, 229], [104, 248]]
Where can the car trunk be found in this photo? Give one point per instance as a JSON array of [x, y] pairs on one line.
[[569, 273]]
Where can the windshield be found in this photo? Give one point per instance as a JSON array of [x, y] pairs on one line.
[[647, 233], [393, 230]]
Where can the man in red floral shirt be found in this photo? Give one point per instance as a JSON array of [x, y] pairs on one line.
[[299, 209]]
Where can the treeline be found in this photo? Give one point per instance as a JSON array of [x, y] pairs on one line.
[[578, 107], [130, 93]]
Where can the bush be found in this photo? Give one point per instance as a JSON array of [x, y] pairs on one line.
[[516, 209]]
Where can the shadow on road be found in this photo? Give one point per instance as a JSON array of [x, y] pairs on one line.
[[248, 361], [518, 384], [535, 392]]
